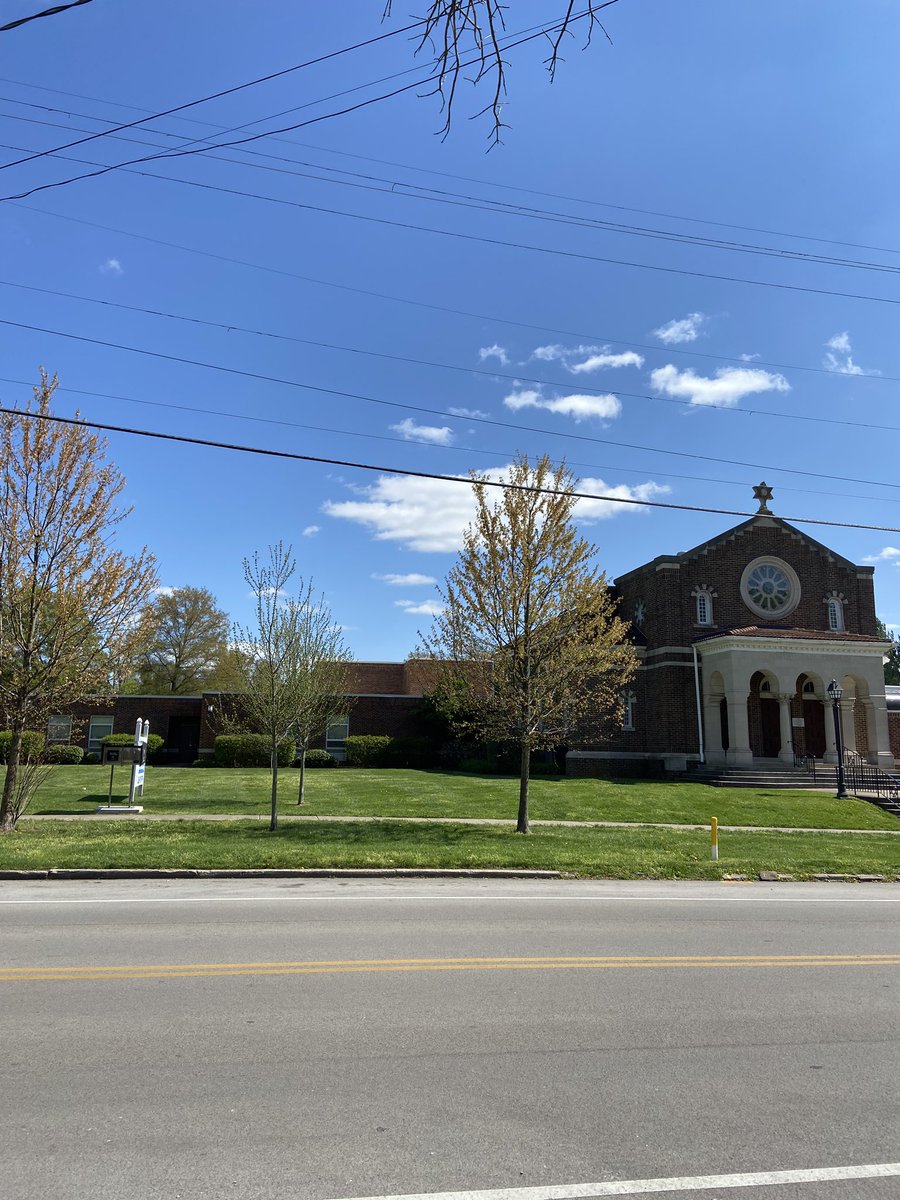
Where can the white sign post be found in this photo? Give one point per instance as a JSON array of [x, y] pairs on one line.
[[141, 736], [136, 754]]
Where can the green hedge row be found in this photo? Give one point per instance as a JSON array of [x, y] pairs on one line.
[[249, 750], [155, 743], [371, 750], [32, 744]]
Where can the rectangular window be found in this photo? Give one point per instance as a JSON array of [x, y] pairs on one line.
[[100, 727], [336, 733], [628, 718], [59, 729]]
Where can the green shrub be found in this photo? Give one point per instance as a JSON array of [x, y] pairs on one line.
[[155, 743], [32, 744], [249, 750], [90, 759], [367, 750], [415, 753], [203, 762], [319, 758], [60, 755]]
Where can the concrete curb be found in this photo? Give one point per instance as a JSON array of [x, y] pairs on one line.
[[276, 873]]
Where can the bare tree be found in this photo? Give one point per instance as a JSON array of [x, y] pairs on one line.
[[467, 41], [68, 599], [323, 663], [528, 643], [273, 685]]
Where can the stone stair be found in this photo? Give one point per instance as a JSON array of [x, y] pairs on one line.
[[772, 773]]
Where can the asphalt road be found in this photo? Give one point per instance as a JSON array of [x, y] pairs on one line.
[[325, 1040]]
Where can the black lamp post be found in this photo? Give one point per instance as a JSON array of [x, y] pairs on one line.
[[835, 691]]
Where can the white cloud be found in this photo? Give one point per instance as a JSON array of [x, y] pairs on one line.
[[748, 357], [467, 412], [424, 608], [494, 351], [678, 331], [840, 357], [593, 358], [888, 554], [112, 266], [597, 362], [438, 435], [580, 407], [311, 530], [413, 579], [163, 591], [431, 514], [729, 386]]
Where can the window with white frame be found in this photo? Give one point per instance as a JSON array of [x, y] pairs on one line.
[[628, 711], [59, 730], [99, 728], [835, 615], [336, 733], [704, 608]]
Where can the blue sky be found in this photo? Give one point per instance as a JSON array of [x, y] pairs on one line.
[[706, 116]]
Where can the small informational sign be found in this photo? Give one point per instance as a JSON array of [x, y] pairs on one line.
[[139, 776], [798, 722], [122, 754]]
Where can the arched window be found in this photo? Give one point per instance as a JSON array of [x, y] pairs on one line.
[[704, 608], [835, 615], [628, 714]]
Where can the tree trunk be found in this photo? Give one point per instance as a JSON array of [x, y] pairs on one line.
[[8, 814], [524, 770], [273, 822], [300, 794]]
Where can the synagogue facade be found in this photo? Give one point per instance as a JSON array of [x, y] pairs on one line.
[[737, 641]]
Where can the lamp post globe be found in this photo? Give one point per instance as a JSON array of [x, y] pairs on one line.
[[835, 692]]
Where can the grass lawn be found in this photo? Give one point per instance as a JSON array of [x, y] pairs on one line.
[[388, 793], [602, 853]]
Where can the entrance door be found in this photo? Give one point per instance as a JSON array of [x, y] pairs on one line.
[[814, 727], [770, 728], [183, 739]]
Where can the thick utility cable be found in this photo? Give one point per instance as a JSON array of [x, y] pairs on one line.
[[232, 327], [347, 395], [215, 95], [48, 12], [457, 448], [455, 312], [383, 470]]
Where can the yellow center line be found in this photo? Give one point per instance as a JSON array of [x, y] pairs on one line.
[[364, 966]]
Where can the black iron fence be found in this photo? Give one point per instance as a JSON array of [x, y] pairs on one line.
[[863, 776]]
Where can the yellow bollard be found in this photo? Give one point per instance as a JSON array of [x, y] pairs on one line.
[[714, 837]]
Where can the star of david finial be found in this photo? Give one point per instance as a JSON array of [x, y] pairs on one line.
[[763, 493]]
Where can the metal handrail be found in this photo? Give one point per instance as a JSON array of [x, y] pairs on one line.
[[863, 776]]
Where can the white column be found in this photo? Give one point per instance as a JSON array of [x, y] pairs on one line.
[[879, 736], [739, 752], [786, 753], [848, 723], [712, 729]]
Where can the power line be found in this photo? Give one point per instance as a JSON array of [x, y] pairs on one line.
[[213, 96], [361, 466], [285, 129], [457, 312], [411, 441], [466, 178], [232, 327], [48, 12], [347, 395]]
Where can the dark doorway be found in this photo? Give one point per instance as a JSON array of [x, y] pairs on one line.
[[183, 740], [814, 727], [723, 721], [770, 727]]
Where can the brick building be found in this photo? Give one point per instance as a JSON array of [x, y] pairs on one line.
[[738, 639], [384, 699]]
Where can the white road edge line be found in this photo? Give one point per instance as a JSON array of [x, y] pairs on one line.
[[646, 1187], [513, 898]]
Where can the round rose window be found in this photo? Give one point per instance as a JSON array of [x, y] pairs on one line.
[[770, 588]]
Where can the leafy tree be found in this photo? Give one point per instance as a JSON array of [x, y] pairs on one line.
[[529, 643], [892, 665], [182, 640], [466, 41], [68, 599]]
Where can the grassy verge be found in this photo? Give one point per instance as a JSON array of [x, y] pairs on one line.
[[598, 853], [446, 794]]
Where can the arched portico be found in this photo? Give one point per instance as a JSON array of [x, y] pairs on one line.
[[764, 697]]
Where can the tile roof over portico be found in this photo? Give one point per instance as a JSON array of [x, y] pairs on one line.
[[780, 631]]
